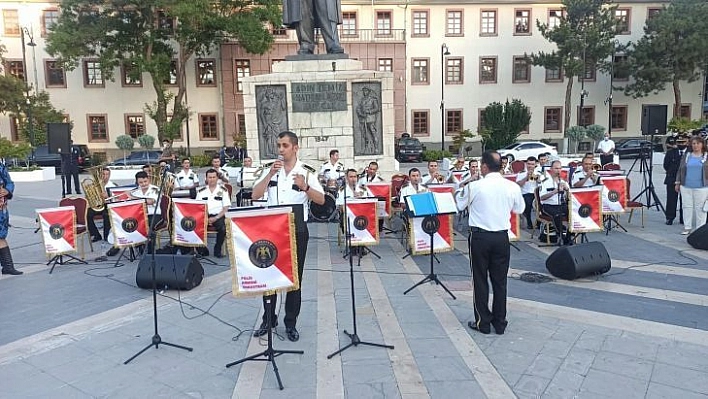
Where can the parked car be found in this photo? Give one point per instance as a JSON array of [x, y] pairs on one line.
[[631, 148], [42, 157], [409, 149], [138, 158], [525, 149]]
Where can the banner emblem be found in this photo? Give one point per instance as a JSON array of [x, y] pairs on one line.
[[56, 231], [188, 224], [613, 196], [263, 254], [129, 225], [431, 224], [360, 223], [585, 210]]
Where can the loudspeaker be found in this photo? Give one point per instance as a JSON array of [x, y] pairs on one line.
[[654, 119], [182, 272], [579, 260], [699, 238], [59, 138]]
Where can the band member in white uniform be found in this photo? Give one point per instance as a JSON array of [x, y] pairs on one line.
[[289, 181], [371, 174], [332, 169], [243, 193], [351, 190], [414, 185], [472, 173], [552, 192], [587, 176], [528, 181], [90, 223], [187, 178], [218, 202], [222, 174], [148, 192], [433, 176]]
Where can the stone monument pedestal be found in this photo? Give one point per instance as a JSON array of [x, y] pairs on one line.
[[329, 104]]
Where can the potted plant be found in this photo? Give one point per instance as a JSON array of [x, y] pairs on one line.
[[125, 143]]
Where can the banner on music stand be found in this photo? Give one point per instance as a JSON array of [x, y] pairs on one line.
[[515, 229], [120, 193], [129, 223], [383, 192], [420, 240], [442, 188], [511, 176], [457, 175], [263, 251], [585, 210], [58, 229], [614, 194], [363, 221], [190, 222]]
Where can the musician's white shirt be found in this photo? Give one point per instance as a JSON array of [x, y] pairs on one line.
[[216, 199], [187, 179], [150, 193], [410, 190], [580, 175], [332, 171], [349, 194], [428, 179], [490, 201], [530, 186], [224, 175], [366, 179], [109, 184], [282, 193], [549, 185]]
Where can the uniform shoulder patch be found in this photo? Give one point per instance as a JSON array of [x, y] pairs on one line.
[[309, 168]]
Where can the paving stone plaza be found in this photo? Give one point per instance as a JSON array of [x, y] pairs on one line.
[[638, 331]]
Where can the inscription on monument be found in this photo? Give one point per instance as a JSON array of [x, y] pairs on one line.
[[319, 96]]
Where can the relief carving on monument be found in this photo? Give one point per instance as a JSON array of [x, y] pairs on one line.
[[271, 108], [368, 126]]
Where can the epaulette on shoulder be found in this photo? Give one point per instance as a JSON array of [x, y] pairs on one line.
[[309, 168], [202, 189]]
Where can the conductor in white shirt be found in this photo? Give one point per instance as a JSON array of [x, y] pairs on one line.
[[490, 202], [607, 150]]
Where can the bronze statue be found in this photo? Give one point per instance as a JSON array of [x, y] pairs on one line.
[[306, 15]]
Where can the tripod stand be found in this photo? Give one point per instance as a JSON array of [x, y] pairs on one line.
[[431, 224], [59, 260], [647, 169], [354, 336], [270, 353], [156, 339]]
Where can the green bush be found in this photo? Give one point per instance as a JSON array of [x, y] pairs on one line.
[[200, 161], [436, 155]]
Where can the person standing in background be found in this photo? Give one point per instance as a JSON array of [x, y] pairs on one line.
[[607, 150], [7, 189], [672, 160], [692, 182]]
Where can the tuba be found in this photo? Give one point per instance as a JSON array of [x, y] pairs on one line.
[[93, 189]]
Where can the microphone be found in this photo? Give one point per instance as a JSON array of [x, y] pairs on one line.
[[281, 158]]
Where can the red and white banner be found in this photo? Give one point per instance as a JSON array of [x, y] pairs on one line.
[[264, 255], [565, 173], [363, 221], [614, 194], [585, 209], [190, 222], [121, 193], [515, 230], [129, 223], [442, 239], [442, 188], [382, 191], [58, 229], [511, 176], [457, 175]]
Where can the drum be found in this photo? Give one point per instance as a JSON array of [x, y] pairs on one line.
[[324, 212]]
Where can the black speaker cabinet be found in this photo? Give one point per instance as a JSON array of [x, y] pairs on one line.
[[654, 119], [59, 138], [182, 272], [699, 238], [579, 260]]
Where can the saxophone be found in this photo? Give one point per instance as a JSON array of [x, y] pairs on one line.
[[93, 189]]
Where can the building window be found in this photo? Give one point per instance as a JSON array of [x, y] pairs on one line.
[[208, 127], [135, 125], [685, 111], [14, 129], [420, 71], [11, 22], [522, 70], [49, 18], [56, 76], [620, 69], [454, 23], [586, 116], [589, 75], [171, 80], [386, 64], [619, 117], [15, 68], [93, 77], [349, 24], [383, 23], [241, 124], [243, 69], [652, 12], [488, 70], [420, 23], [552, 119], [623, 17], [522, 22], [554, 75], [281, 31], [97, 127], [454, 68], [421, 123], [480, 119], [554, 18], [488, 26], [167, 23], [453, 121], [205, 72], [131, 75]]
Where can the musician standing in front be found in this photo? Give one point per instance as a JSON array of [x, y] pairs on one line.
[[528, 181], [490, 201], [289, 181], [93, 230], [222, 174], [552, 192], [7, 188], [218, 202]]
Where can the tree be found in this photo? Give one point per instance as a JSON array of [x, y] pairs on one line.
[[583, 37], [576, 134], [9, 150], [595, 133], [147, 35], [672, 50], [503, 123], [460, 140], [683, 125], [146, 141], [125, 143]]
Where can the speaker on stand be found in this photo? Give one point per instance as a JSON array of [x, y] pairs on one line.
[[182, 272], [59, 138], [571, 262]]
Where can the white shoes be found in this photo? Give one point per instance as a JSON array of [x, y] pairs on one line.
[[685, 232]]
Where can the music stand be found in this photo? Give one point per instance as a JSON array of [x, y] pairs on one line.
[[431, 225], [59, 260]]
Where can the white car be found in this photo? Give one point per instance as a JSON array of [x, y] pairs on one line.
[[525, 149]]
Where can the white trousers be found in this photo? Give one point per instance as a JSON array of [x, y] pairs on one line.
[[693, 199]]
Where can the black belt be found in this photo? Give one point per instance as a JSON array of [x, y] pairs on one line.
[[474, 229]]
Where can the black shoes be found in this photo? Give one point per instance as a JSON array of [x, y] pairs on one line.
[[292, 333], [96, 238], [113, 251], [481, 328], [263, 329], [670, 221], [12, 272], [499, 328]]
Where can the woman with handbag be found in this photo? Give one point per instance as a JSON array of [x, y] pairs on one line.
[[692, 182]]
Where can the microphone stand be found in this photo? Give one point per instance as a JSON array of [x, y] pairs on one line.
[[354, 336], [156, 339]]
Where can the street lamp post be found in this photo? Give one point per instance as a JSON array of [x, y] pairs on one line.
[[612, 81], [25, 78], [583, 93], [444, 50]]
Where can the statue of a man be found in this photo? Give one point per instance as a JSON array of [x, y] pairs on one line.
[[306, 15]]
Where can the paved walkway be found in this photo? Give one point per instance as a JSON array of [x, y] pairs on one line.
[[640, 330]]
